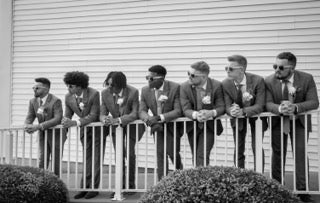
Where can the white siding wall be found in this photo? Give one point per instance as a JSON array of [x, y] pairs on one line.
[[52, 37]]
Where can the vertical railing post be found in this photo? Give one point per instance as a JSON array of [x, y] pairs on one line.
[[8, 147], [259, 148], [119, 164]]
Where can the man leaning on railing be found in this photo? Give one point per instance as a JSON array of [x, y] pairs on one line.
[[84, 101], [288, 93], [201, 99], [47, 108], [244, 96]]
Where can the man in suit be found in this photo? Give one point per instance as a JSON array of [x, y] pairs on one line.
[[201, 99], [47, 109], [162, 98], [290, 92], [244, 95], [119, 106], [84, 101]]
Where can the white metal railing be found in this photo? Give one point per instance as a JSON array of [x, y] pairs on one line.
[[20, 148]]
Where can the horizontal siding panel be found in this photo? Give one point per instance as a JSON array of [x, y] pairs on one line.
[[55, 36]]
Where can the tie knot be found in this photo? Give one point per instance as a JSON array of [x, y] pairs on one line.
[[239, 86]]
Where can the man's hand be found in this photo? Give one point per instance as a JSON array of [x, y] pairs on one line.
[[235, 110], [67, 122], [204, 115], [287, 108], [151, 120], [29, 128], [106, 120]]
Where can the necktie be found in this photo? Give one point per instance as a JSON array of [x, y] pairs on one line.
[[200, 94], [240, 103], [285, 96], [159, 105], [79, 100], [285, 92], [239, 95], [115, 100]]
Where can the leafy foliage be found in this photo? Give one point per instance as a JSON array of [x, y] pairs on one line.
[[27, 184], [217, 184]]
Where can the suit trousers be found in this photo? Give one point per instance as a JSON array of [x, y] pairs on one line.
[[163, 156], [132, 155], [299, 153], [198, 140], [92, 159], [241, 144], [51, 150]]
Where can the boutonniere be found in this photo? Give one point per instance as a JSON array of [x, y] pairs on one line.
[[247, 96], [120, 101], [41, 110], [292, 91], [206, 100], [162, 98], [81, 106]]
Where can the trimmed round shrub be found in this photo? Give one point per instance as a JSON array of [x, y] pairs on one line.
[[27, 184], [217, 184]]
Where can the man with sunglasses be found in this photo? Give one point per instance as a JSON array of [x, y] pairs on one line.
[[84, 101], [47, 108], [244, 96], [202, 100], [119, 106], [162, 98], [290, 92]]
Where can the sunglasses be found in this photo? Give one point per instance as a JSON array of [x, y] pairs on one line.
[[152, 78], [192, 75], [71, 86], [229, 68], [275, 66], [38, 87]]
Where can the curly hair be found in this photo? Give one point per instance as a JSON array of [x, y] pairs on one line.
[[106, 81], [76, 78]]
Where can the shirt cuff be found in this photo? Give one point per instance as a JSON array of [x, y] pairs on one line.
[[194, 115], [279, 109], [214, 113], [78, 122], [162, 117]]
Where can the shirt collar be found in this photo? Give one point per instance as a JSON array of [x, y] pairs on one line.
[[160, 88], [119, 94], [290, 80], [44, 99], [243, 82]]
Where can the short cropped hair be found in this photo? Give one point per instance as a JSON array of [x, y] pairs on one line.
[[119, 80], [106, 81], [159, 69], [201, 66], [76, 78], [241, 60], [45, 81], [289, 56]]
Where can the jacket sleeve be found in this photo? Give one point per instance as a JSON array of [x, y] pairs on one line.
[[185, 102], [176, 111], [31, 115], [143, 108], [133, 115], [258, 106]]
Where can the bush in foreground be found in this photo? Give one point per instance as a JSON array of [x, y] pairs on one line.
[[28, 184], [217, 184]]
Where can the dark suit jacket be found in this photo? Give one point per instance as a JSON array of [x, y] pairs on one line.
[[188, 102], [171, 108], [256, 87], [128, 110], [91, 110], [52, 113], [306, 97]]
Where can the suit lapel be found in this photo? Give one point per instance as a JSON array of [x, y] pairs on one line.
[[74, 103], [125, 96], [278, 91], [166, 90], [153, 105]]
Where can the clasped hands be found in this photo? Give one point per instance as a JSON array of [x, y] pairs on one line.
[[67, 122], [287, 108], [235, 110], [109, 120], [204, 115], [30, 128]]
